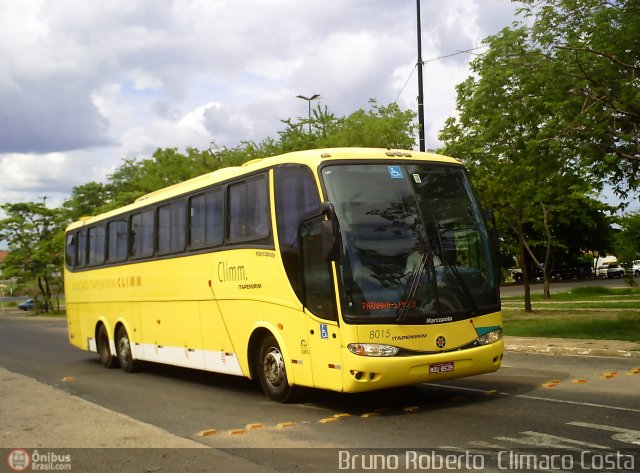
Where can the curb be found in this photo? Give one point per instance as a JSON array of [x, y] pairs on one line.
[[559, 346]]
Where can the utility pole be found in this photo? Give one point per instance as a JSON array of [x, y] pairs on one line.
[[420, 94]]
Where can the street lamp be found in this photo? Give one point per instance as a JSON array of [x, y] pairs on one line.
[[309, 99]]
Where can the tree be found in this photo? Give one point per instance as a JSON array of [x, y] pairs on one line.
[[376, 127], [34, 234], [627, 246], [505, 135], [86, 200], [597, 44], [137, 177]]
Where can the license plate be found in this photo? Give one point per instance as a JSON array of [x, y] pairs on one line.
[[441, 367]]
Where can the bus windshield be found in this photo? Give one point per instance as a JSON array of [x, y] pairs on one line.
[[415, 248]]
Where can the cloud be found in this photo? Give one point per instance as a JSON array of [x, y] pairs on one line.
[[85, 84]]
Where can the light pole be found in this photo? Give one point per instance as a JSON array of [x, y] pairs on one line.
[[420, 94], [309, 99]]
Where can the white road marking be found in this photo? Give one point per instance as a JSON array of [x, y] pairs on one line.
[[538, 439], [538, 398], [632, 437]]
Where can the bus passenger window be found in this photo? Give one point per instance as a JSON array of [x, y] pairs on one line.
[[96, 245], [142, 234], [249, 210], [206, 225], [70, 250], [171, 227], [117, 244], [81, 259]]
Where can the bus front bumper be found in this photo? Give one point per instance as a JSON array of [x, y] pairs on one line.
[[362, 373]]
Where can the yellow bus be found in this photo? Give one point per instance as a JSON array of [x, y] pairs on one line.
[[345, 269]]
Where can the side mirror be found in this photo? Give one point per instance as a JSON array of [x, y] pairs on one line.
[[493, 230], [329, 233]]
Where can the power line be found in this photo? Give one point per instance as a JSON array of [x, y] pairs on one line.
[[465, 51]]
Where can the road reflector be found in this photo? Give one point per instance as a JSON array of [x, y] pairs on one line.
[[236, 432], [68, 379], [579, 381], [339, 416], [253, 426], [282, 425], [327, 420], [410, 409], [370, 414], [206, 433]]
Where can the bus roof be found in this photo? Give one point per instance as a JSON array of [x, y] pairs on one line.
[[312, 158]]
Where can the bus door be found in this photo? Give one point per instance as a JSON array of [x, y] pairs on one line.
[[320, 309]]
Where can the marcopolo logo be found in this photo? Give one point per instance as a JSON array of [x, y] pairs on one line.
[[20, 460]]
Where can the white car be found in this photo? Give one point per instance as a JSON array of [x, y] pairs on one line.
[[615, 271], [635, 268]]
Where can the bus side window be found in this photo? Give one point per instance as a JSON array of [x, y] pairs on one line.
[[296, 196], [171, 227], [70, 250], [206, 219], [316, 272], [81, 258], [96, 245], [249, 210], [117, 240], [142, 234]]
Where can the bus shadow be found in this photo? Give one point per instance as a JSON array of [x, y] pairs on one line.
[[222, 382], [394, 401]]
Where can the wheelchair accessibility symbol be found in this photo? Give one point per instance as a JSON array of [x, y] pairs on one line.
[[395, 172], [324, 331]]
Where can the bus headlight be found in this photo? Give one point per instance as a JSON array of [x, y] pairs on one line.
[[372, 349], [491, 337]]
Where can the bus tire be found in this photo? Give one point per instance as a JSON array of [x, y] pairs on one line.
[[123, 349], [272, 372], [104, 351]]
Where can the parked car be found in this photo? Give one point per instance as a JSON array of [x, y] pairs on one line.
[[536, 275], [602, 271], [26, 305], [635, 268], [615, 271]]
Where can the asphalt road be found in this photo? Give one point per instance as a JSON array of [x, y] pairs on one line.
[[572, 403]]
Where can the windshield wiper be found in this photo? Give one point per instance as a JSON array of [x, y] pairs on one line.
[[414, 282], [463, 287]]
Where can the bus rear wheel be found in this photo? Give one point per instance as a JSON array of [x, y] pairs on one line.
[[104, 351], [123, 349], [272, 372]]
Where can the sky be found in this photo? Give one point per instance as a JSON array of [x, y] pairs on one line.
[[87, 83]]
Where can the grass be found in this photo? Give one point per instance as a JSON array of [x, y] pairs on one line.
[[590, 293], [585, 312]]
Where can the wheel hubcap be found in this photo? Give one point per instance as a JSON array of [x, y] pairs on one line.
[[124, 349], [273, 366]]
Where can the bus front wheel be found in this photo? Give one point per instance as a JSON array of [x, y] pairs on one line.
[[106, 358], [272, 372], [123, 349]]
